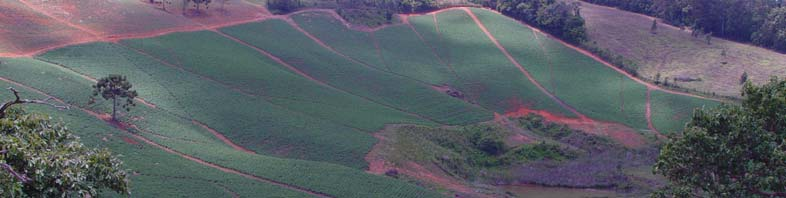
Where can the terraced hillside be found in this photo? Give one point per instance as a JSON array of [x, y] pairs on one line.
[[286, 106]]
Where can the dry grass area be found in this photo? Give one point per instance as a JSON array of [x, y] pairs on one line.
[[673, 52], [31, 26]]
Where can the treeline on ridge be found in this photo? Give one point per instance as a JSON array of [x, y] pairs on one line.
[[762, 22]]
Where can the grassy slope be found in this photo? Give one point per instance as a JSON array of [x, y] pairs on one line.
[[249, 121], [381, 87], [673, 52], [485, 74], [670, 112], [216, 57], [179, 134], [592, 88]]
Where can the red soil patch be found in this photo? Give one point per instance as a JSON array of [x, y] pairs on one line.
[[620, 133], [223, 138], [130, 141]]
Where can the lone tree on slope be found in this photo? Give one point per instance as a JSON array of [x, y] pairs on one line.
[[654, 27], [731, 150], [39, 158], [115, 87], [197, 4]]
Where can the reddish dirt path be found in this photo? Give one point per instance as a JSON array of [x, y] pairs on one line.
[[520, 67], [648, 114], [223, 138], [124, 127]]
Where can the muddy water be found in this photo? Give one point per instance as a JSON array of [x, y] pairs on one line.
[[535, 191]]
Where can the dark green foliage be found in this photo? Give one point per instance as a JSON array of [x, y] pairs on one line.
[[115, 87], [640, 6], [558, 18], [772, 34], [488, 145], [731, 151], [465, 151], [417, 5], [40, 158], [539, 151], [283, 6]]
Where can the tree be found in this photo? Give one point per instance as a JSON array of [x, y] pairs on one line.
[[731, 150], [654, 27], [744, 78], [39, 158], [708, 38], [197, 3], [115, 87]]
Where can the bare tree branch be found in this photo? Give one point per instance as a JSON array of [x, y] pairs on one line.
[[19, 176], [18, 100]]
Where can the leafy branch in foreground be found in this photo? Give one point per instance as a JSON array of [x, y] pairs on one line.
[[39, 158], [731, 151]]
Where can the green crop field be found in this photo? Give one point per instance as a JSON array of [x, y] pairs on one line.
[[590, 87], [404, 53], [483, 71], [670, 112], [356, 44], [215, 57], [179, 134], [251, 119], [392, 90]]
